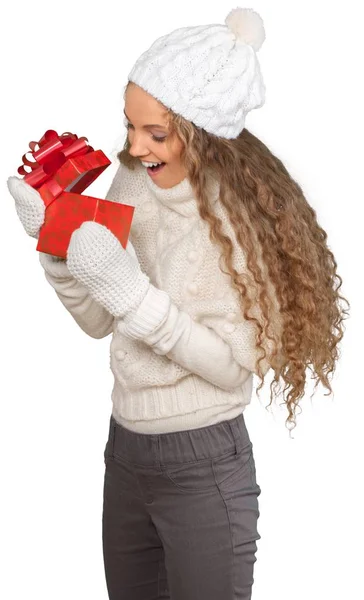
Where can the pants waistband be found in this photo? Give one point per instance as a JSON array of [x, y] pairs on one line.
[[179, 446]]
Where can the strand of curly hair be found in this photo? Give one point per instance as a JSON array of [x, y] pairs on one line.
[[266, 206]]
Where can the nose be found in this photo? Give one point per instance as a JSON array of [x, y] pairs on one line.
[[137, 147]]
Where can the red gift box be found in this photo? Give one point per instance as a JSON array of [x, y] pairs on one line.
[[63, 167]]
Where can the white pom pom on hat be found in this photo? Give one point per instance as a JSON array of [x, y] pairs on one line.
[[247, 25]]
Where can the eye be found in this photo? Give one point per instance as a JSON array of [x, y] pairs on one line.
[[158, 139], [154, 137]]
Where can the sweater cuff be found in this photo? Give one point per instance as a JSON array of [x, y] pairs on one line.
[[151, 312], [54, 266]]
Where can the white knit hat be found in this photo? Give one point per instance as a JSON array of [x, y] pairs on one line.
[[209, 74]]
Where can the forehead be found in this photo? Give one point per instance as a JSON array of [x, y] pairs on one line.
[[137, 100]]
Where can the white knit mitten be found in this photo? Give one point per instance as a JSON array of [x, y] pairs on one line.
[[113, 277], [29, 205]]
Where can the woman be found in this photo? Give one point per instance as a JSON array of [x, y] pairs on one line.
[[227, 273]]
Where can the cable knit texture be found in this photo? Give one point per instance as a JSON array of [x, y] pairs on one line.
[[184, 357], [209, 74]]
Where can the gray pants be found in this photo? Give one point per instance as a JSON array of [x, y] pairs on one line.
[[180, 513]]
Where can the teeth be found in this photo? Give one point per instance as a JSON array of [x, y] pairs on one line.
[[150, 164]]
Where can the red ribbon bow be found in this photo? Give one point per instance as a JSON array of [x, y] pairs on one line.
[[53, 151]]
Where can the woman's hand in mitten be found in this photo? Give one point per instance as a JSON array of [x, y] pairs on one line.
[[112, 275], [29, 205]]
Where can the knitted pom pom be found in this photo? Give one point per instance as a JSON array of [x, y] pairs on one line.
[[247, 25]]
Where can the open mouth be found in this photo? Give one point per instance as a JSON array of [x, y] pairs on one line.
[[155, 170]]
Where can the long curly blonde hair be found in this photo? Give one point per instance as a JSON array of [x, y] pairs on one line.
[[266, 206]]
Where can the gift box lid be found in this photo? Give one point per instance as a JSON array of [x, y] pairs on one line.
[[75, 175], [62, 163]]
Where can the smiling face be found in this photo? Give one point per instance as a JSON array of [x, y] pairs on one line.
[[149, 137]]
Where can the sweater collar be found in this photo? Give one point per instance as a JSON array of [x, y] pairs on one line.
[[181, 197]]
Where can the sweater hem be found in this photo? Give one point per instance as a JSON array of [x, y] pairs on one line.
[[195, 420], [190, 403]]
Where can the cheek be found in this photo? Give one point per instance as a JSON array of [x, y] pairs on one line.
[[178, 150], [174, 154], [173, 149]]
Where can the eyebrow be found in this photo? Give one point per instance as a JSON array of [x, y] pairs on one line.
[[147, 126]]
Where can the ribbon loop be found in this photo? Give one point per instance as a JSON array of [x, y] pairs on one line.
[[49, 154]]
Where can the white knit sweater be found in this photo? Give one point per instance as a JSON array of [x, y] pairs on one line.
[[196, 368]]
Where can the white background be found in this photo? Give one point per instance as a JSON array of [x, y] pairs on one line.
[[64, 66]]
